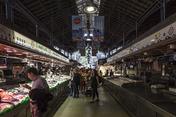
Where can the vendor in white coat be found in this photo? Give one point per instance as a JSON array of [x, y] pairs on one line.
[[49, 73]]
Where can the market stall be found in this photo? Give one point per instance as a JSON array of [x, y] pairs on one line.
[[15, 99], [141, 99]]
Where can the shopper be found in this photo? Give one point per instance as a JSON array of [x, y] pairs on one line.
[[42, 71], [111, 73], [82, 81], [38, 83], [49, 73], [71, 82], [101, 74], [76, 83], [95, 85], [107, 72]]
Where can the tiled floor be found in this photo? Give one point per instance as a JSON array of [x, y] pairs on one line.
[[106, 107]]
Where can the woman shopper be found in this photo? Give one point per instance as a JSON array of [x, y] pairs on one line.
[[95, 85], [71, 82], [76, 83]]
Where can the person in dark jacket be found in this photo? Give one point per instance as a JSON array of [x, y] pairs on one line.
[[111, 73], [95, 85], [42, 71], [76, 83], [106, 73]]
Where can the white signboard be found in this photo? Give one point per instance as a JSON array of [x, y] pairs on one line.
[[13, 36], [161, 35]]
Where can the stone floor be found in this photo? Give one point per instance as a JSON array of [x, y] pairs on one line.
[[106, 107]]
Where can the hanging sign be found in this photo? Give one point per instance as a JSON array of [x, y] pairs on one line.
[[98, 32], [77, 31], [165, 33], [15, 37], [81, 47]]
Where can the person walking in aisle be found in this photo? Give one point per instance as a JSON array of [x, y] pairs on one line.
[[76, 83], [95, 85], [71, 82]]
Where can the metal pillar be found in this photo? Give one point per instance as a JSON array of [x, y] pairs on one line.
[[71, 55], [108, 52], [7, 10], [123, 39], [37, 30], [12, 14], [136, 29], [51, 40], [162, 11]]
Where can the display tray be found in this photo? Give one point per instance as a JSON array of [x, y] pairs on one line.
[[15, 95]]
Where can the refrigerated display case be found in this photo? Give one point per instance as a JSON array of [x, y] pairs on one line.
[[15, 98]]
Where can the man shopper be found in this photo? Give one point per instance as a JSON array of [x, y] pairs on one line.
[[40, 84]]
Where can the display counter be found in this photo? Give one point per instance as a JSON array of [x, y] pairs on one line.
[[141, 99], [15, 102]]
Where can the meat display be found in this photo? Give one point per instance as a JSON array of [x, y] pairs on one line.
[[5, 96], [18, 94]]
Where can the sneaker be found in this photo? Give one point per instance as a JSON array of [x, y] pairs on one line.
[[70, 95], [73, 96]]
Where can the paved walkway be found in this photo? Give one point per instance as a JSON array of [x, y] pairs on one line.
[[106, 107]]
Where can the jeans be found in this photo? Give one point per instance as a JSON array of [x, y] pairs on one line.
[[95, 91], [75, 89], [71, 91]]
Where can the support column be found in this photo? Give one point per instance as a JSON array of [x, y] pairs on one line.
[[108, 52], [12, 14], [162, 11], [71, 55], [123, 39], [51, 41], [37, 30], [136, 29], [7, 10]]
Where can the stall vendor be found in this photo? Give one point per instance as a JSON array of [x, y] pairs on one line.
[[49, 73]]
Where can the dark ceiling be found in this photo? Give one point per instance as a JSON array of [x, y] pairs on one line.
[[121, 17]]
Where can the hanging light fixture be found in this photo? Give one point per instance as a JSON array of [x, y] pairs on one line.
[[90, 7], [88, 38]]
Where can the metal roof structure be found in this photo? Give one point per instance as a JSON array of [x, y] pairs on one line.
[[124, 19]]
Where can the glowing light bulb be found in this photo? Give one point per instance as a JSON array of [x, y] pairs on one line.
[[90, 9]]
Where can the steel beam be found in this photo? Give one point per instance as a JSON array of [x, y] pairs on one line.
[[54, 22], [64, 14], [31, 17], [111, 13], [119, 15], [120, 24], [155, 6]]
